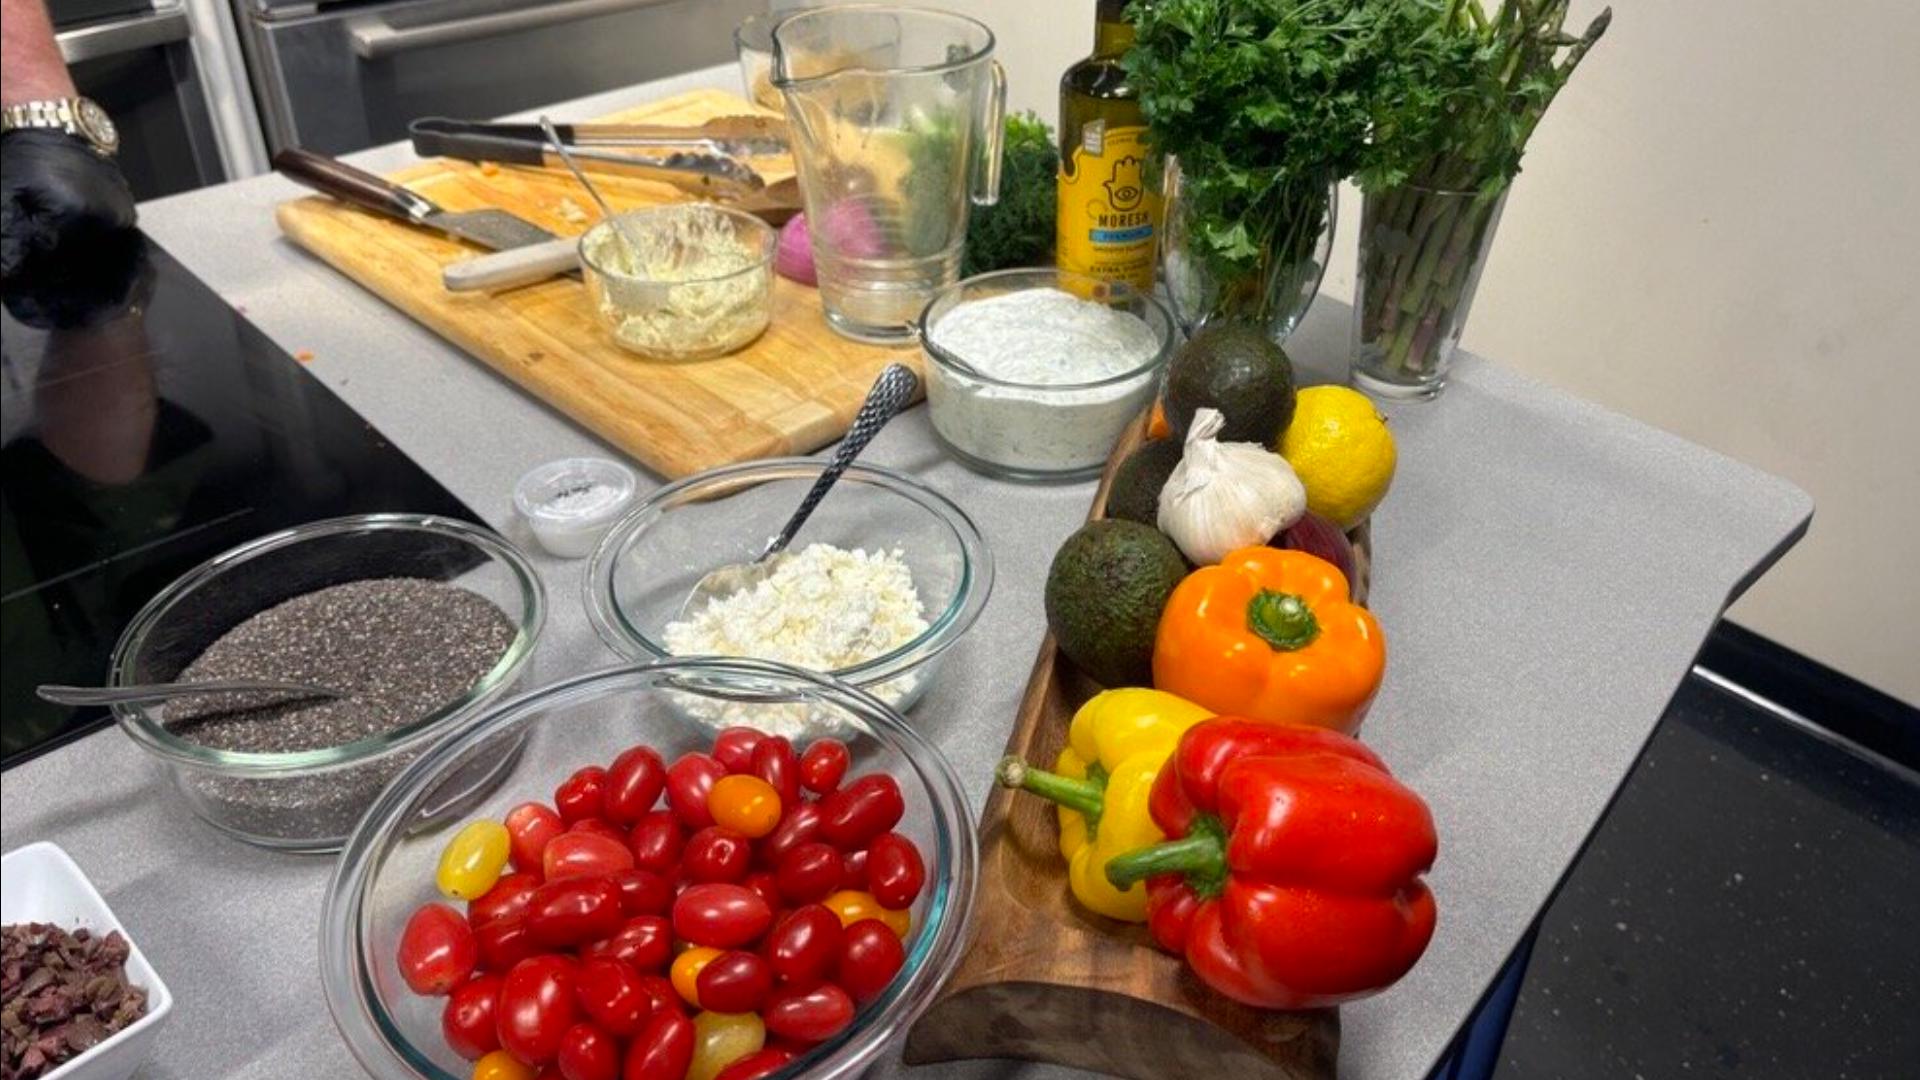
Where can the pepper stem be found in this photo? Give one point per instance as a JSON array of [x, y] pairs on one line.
[[1087, 796], [1282, 620], [1201, 856]]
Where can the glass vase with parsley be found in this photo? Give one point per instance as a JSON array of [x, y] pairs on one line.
[[1445, 150]]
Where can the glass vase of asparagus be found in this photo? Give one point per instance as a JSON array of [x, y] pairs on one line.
[[1437, 177]]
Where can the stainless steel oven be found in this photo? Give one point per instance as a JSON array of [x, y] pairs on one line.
[[336, 77]]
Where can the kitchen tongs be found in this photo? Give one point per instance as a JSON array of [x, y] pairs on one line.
[[701, 159]]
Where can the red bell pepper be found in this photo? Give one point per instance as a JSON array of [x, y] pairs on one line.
[[1293, 881]]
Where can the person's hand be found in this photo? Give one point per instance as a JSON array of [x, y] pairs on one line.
[[57, 196]]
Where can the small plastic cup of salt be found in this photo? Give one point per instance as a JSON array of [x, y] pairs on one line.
[[572, 503]]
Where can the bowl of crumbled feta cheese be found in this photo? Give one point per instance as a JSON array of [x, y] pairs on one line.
[[1032, 374], [885, 576]]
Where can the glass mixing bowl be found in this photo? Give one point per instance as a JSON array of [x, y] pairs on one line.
[[650, 562], [309, 800], [387, 868]]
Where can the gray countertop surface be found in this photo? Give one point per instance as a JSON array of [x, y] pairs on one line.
[[1545, 572]]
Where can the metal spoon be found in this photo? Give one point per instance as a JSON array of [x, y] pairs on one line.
[[891, 392], [619, 227], [129, 695]]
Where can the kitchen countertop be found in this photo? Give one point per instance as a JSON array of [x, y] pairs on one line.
[[1544, 571]]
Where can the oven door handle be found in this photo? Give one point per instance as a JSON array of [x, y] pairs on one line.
[[374, 38]]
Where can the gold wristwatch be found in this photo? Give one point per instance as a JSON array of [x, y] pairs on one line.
[[80, 117]]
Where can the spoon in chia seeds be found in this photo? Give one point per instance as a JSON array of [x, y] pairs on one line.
[[890, 393], [149, 692]]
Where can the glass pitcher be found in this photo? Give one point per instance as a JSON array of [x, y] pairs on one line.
[[896, 115]]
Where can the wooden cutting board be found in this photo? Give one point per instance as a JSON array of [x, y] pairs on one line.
[[792, 391]]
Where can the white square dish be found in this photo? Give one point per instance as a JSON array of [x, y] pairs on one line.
[[41, 883]]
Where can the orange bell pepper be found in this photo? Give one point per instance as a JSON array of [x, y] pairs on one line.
[[1270, 634]]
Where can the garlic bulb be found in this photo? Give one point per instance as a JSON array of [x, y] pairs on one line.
[[1226, 496]]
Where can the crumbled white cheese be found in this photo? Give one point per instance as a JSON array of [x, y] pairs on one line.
[[824, 608]]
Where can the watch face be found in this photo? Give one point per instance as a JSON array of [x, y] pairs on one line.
[[96, 125]]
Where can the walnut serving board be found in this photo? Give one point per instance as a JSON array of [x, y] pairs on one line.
[[792, 391], [1047, 980]]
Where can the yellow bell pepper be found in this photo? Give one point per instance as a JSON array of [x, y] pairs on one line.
[[1102, 780]]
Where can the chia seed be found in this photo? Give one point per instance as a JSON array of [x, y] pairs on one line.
[[400, 648]]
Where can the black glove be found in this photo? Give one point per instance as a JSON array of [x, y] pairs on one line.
[[57, 196]]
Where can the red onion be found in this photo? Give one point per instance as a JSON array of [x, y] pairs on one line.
[[1316, 535], [793, 258]]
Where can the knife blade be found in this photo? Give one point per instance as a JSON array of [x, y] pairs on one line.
[[496, 230]]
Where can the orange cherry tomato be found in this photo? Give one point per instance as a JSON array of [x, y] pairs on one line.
[[746, 804], [853, 906], [685, 972], [500, 1065]]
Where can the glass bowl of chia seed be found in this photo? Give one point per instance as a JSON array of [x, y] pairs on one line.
[[884, 577], [387, 868], [416, 622]]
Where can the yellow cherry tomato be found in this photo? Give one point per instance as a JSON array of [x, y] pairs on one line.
[[500, 1065], [685, 971], [853, 906], [746, 804], [720, 1039], [473, 860]]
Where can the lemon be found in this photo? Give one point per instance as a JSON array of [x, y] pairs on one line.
[[1341, 449]]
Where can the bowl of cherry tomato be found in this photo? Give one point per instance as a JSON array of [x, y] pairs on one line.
[[649, 899]]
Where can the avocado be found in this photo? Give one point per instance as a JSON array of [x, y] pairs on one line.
[[1135, 494], [1233, 367], [1105, 591]]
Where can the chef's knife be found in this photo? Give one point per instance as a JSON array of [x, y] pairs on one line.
[[705, 174], [496, 230]]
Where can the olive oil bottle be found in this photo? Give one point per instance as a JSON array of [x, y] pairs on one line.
[[1108, 217]]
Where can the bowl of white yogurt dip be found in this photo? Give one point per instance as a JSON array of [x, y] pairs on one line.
[[882, 579], [1032, 374]]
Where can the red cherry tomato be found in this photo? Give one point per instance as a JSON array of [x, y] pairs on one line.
[[588, 1053], [733, 747], [529, 827], [689, 780], [733, 982], [571, 912], [634, 783], [663, 1050], [721, 915], [645, 942], [610, 994], [801, 825], [584, 854], [804, 946], [506, 900], [811, 1015], [758, 1065], [437, 950], [870, 956], [763, 882], [537, 1006], [503, 943], [824, 765], [582, 795], [851, 817], [774, 761], [643, 892], [600, 827], [656, 841], [853, 871], [716, 854], [810, 873], [467, 1021], [895, 873]]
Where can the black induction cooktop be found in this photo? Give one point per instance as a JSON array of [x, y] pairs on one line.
[[146, 426]]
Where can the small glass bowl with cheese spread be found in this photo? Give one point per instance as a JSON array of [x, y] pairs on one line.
[[885, 576], [682, 282], [1033, 374]]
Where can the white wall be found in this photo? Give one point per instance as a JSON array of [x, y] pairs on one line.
[[1718, 232]]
